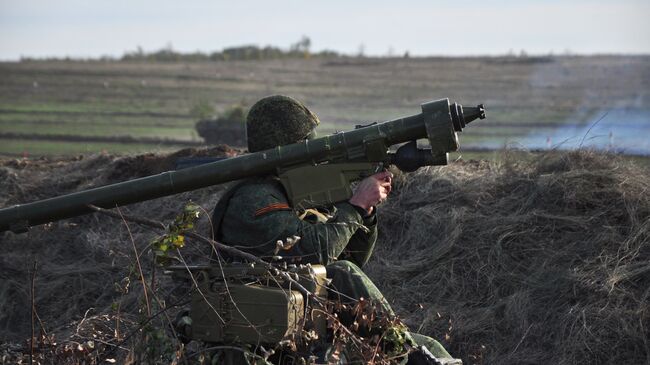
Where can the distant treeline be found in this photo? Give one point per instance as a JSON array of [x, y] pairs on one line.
[[232, 53], [300, 49]]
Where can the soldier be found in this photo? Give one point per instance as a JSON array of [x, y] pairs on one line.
[[255, 214]]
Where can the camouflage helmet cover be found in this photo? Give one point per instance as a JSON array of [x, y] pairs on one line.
[[278, 120]]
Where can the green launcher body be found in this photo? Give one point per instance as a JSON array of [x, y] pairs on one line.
[[314, 172]]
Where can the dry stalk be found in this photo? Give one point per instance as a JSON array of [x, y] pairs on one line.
[[137, 260], [33, 311]]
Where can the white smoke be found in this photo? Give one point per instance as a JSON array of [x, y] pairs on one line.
[[610, 108], [622, 130]]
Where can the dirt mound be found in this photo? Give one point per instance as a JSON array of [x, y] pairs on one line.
[[79, 260], [151, 163], [544, 261], [107, 139], [25, 180], [535, 260]]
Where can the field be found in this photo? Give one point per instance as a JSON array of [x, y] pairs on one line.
[[532, 102]]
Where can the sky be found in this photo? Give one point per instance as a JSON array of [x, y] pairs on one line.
[[94, 28]]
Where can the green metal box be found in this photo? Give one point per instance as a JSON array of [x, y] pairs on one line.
[[245, 313]]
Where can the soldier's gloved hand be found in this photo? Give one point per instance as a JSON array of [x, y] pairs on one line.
[[372, 191]]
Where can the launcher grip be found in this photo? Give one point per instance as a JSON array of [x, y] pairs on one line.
[[322, 185]]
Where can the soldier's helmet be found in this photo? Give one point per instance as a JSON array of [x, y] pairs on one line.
[[278, 120]]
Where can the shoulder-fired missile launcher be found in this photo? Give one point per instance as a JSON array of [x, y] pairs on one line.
[[314, 172]]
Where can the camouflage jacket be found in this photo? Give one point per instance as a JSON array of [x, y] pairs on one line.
[[255, 214]]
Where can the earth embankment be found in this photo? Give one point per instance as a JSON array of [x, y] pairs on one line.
[[520, 260]]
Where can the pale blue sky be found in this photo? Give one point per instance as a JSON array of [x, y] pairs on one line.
[[91, 28]]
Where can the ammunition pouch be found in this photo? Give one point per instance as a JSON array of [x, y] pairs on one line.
[[242, 303]]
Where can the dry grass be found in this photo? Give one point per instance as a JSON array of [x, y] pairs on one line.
[[83, 262], [518, 261], [545, 261]]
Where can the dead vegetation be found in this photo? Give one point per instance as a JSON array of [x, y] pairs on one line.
[[86, 266], [522, 261]]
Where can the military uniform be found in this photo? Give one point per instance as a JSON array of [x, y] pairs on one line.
[[255, 214]]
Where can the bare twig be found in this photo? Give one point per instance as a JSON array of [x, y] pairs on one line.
[[139, 220], [591, 127], [207, 215], [153, 272], [522, 339], [83, 320], [137, 260], [376, 349], [117, 319], [33, 308], [40, 322]]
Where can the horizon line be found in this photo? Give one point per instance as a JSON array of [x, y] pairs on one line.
[[406, 55]]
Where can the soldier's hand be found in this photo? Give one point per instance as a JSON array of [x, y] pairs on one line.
[[372, 190]]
